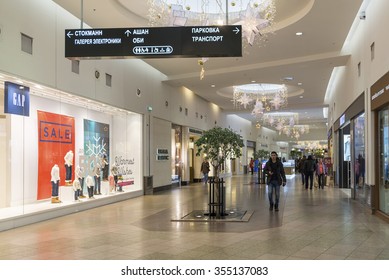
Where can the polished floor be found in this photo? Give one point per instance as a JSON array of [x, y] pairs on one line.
[[322, 224]]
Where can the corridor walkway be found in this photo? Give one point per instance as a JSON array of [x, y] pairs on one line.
[[311, 224]]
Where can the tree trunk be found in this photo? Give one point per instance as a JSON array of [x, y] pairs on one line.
[[218, 199]]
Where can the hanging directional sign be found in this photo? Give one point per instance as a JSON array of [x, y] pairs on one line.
[[154, 42]]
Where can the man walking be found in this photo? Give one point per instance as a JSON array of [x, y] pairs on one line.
[[205, 170], [309, 168], [274, 169]]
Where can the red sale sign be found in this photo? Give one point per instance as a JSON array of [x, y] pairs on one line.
[[56, 138]]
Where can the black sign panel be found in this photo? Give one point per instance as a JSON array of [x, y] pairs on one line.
[[154, 42]]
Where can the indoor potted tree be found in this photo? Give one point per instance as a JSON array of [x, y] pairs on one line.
[[219, 144]]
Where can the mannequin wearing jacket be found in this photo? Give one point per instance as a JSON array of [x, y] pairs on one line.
[[97, 176], [80, 177], [55, 184], [90, 183], [115, 174], [68, 167], [76, 189]]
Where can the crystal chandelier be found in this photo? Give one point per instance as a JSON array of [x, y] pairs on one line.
[[255, 16], [312, 145], [280, 120], [261, 98], [295, 131], [285, 123]]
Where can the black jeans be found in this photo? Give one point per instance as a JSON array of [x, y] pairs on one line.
[[54, 188], [320, 179], [68, 169], [90, 191], [309, 176]]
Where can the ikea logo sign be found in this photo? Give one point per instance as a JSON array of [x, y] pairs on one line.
[[16, 99]]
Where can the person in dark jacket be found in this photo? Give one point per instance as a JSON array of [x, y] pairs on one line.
[[309, 168], [301, 169], [205, 168], [274, 169]]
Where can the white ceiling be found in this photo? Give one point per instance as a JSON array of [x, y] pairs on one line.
[[309, 59]]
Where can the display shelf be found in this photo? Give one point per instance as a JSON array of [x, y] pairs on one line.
[[66, 194]]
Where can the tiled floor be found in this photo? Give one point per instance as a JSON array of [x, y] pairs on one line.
[[311, 224]]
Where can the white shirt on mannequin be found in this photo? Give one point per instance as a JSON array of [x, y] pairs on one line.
[[55, 173], [69, 158]]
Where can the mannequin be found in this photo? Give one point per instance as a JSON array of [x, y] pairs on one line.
[[77, 189], [68, 167], [114, 171], [111, 181], [90, 185], [80, 177], [104, 166], [55, 184], [97, 175]]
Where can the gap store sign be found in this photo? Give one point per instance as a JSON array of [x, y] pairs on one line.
[[16, 99]]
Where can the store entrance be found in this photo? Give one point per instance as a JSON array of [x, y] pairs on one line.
[[345, 157], [3, 161], [383, 147]]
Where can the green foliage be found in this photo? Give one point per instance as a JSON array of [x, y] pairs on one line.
[[295, 154], [260, 154], [318, 153], [219, 144]]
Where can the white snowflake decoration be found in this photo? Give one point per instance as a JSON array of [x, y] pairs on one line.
[[244, 100]]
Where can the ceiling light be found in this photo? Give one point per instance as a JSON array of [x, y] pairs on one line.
[[261, 97], [299, 33], [256, 17], [299, 84], [301, 96]]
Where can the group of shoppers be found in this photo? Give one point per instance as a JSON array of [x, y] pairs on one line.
[[274, 170], [308, 167]]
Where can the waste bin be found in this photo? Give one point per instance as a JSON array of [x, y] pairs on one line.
[[148, 185]]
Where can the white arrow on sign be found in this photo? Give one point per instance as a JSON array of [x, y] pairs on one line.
[[128, 32], [70, 34], [236, 30]]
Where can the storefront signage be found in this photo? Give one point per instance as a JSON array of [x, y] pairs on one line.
[[379, 92], [163, 151], [342, 119], [154, 42], [16, 99], [162, 154], [55, 132], [195, 131]]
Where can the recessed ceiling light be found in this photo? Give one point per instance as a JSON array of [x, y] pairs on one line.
[[301, 96], [299, 33], [213, 86], [300, 84], [287, 78], [253, 81]]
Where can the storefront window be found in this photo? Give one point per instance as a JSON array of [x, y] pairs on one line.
[[383, 119], [66, 150], [176, 160], [362, 192]]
